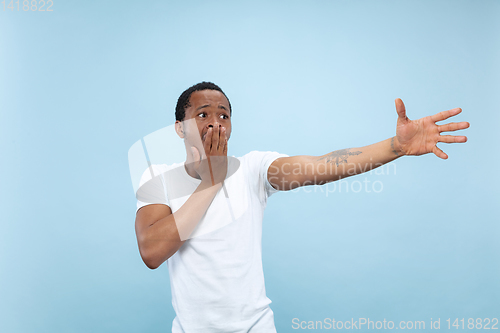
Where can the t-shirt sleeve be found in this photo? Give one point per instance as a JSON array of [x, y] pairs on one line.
[[259, 163], [152, 189], [268, 159]]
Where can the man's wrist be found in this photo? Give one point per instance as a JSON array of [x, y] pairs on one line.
[[205, 184], [396, 147]]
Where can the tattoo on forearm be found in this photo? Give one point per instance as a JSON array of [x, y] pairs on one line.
[[339, 156], [392, 146]]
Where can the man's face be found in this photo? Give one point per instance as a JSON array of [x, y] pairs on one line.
[[208, 108]]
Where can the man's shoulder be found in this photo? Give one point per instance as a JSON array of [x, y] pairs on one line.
[[255, 154], [260, 158]]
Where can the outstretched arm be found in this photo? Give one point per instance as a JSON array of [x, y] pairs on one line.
[[413, 137]]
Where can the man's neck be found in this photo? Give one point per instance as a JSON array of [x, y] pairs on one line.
[[189, 164]]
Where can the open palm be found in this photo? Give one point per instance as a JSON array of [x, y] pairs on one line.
[[418, 137]]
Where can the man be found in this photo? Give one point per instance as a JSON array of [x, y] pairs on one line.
[[208, 225]]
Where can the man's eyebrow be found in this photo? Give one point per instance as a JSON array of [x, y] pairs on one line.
[[207, 105], [203, 106]]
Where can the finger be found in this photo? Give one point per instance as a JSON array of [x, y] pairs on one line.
[[215, 138], [453, 126], [452, 138], [401, 110], [225, 147], [208, 141], [445, 114], [222, 138], [439, 153]]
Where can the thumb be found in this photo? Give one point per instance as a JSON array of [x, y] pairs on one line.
[[401, 110], [196, 155]]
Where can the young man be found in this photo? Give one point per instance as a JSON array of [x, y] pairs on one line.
[[208, 223]]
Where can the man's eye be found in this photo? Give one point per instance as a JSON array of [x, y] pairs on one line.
[[202, 115], [224, 116]]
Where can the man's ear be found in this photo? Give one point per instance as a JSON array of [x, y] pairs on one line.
[[179, 129]]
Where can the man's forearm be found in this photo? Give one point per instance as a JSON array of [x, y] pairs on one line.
[[352, 161], [164, 237], [291, 172]]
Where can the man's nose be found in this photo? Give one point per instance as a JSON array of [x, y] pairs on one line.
[[213, 122]]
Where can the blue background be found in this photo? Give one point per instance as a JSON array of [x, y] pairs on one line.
[[81, 84]]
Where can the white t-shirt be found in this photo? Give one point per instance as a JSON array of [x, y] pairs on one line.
[[216, 276]]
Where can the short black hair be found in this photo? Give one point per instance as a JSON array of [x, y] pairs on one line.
[[183, 101]]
